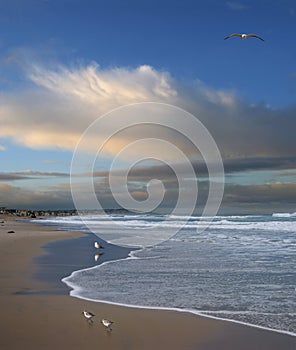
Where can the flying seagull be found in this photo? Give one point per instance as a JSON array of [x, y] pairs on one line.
[[244, 36], [88, 315]]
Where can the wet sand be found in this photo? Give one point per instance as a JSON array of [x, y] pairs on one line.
[[32, 319]]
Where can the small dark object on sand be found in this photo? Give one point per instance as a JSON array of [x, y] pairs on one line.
[[10, 232]]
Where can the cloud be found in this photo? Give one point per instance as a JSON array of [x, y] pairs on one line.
[[164, 171], [53, 161], [11, 177], [237, 6], [2, 148], [268, 163], [62, 102], [65, 102], [32, 173], [247, 198], [19, 197], [288, 174], [92, 85], [280, 193], [29, 175]]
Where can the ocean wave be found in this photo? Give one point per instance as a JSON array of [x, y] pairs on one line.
[[278, 222], [240, 270], [284, 215], [288, 226]]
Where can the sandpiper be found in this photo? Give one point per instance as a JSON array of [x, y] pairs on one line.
[[97, 257], [107, 323], [98, 246], [88, 315]]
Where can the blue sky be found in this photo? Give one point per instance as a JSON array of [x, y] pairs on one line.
[[244, 91], [184, 38]]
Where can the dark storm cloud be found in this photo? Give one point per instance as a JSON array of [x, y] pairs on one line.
[[164, 171], [267, 193], [12, 177]]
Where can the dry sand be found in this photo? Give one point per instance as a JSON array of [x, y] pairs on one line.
[[55, 321]]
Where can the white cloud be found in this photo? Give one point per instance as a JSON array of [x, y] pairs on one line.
[[65, 101], [237, 6], [117, 85], [2, 148]]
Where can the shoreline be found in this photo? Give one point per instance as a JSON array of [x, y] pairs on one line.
[[81, 248], [46, 321], [74, 292]]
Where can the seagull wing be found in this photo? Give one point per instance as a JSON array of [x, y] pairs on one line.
[[255, 36], [231, 35]]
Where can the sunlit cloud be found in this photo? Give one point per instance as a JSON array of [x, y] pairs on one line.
[[63, 102], [117, 86]]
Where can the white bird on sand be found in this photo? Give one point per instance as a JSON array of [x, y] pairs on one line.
[[244, 36], [88, 315], [107, 323], [97, 245], [97, 256]]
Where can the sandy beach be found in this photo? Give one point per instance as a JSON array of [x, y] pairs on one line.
[[33, 319]]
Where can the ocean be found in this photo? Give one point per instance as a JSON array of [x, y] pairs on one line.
[[240, 268]]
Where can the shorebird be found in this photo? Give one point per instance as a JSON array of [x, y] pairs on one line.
[[97, 256], [107, 323], [244, 36], [88, 315], [97, 245]]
